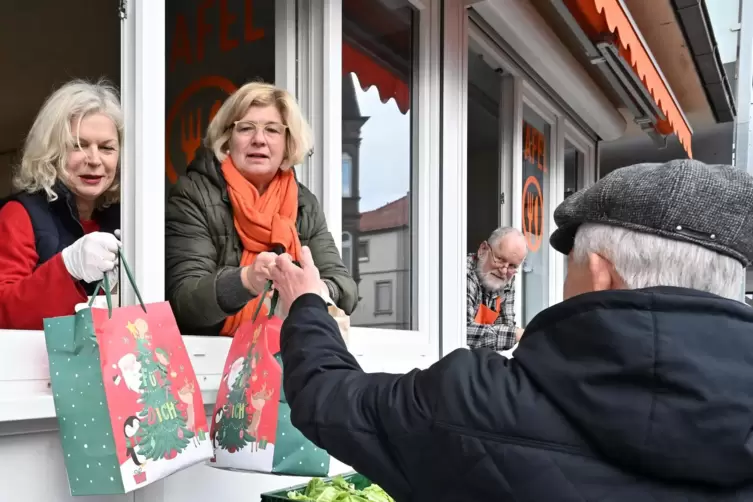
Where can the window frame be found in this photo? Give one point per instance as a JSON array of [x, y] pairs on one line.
[[545, 109], [570, 132], [323, 69], [143, 78], [364, 257], [142, 194], [390, 310], [311, 68]]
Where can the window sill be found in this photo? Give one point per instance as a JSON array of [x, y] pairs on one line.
[[25, 394]]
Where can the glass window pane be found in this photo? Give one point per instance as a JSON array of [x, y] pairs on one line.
[[574, 160], [212, 49], [536, 175], [347, 175], [378, 63], [483, 151]]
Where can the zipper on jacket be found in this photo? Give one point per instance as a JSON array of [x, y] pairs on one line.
[[517, 440]]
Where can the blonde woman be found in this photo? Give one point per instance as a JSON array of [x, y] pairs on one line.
[[58, 231], [238, 202]]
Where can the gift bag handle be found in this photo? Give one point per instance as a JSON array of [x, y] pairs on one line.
[[273, 302], [105, 283]]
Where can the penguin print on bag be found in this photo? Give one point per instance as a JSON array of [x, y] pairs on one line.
[[130, 428]]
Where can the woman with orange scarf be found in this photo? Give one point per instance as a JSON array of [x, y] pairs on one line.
[[237, 204]]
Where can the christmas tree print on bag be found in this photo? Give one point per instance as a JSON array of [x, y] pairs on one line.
[[126, 397], [251, 428]]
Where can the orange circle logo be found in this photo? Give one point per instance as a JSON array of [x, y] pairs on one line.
[[533, 213], [191, 126]]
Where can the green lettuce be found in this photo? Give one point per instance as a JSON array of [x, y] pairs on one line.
[[339, 490]]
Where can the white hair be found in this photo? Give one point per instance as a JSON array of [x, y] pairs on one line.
[[52, 135], [501, 232], [643, 260]]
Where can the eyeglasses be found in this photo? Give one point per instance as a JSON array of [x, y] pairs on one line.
[[248, 129], [501, 262]]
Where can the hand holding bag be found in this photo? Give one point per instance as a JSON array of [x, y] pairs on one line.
[[127, 400], [251, 427]]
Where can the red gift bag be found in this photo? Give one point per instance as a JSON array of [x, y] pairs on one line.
[[251, 427], [127, 400]]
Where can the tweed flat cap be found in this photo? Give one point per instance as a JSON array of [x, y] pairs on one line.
[[686, 200]]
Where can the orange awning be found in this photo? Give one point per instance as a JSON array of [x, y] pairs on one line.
[[371, 73], [598, 17]]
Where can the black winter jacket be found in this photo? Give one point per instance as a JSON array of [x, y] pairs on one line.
[[619, 396]]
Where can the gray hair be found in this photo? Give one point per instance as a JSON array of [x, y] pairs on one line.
[[52, 135], [643, 260], [502, 232]]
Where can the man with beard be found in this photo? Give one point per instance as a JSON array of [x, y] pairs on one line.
[[490, 307]]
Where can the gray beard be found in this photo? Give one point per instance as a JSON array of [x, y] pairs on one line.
[[488, 281]]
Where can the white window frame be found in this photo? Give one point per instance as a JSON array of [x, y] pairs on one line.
[[573, 134], [322, 74], [452, 314], [142, 193], [545, 109]]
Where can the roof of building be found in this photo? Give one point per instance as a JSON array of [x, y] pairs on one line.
[[394, 214]]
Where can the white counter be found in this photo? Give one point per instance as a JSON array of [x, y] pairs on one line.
[[31, 459]]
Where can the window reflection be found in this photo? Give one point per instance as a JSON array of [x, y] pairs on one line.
[[212, 48], [347, 175], [378, 64]]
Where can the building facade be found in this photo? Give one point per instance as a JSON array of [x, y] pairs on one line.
[[435, 121]]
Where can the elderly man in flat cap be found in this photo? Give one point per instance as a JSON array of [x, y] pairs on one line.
[[638, 387]]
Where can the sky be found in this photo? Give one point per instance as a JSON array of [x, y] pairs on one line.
[[724, 16], [385, 150]]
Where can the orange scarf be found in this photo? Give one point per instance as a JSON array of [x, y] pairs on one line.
[[262, 221]]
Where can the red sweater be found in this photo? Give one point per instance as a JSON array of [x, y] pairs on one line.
[[27, 296]]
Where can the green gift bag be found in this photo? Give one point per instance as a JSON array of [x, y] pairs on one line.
[[126, 397]]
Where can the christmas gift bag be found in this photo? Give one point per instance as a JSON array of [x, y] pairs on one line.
[[127, 400], [251, 427]]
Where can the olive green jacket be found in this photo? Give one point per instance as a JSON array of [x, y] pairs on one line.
[[203, 250]]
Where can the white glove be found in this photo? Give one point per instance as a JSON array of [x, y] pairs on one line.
[[90, 257]]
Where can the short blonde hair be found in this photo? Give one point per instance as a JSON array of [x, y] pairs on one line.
[[298, 141], [51, 136]]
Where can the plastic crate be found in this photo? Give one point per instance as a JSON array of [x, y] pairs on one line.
[[358, 480]]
